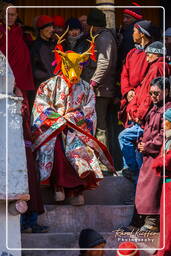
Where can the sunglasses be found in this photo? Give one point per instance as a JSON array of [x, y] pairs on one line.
[[155, 93]]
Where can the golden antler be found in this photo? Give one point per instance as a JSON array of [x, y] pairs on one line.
[[61, 37], [92, 37], [88, 52]]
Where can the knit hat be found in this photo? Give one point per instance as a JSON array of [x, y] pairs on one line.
[[134, 12], [145, 27], [44, 21], [167, 114], [130, 249], [73, 23], [156, 47], [96, 18], [58, 21], [89, 238], [168, 32]]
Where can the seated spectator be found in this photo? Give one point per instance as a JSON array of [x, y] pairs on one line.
[[128, 249], [138, 108], [165, 202], [89, 238], [42, 55], [75, 39]]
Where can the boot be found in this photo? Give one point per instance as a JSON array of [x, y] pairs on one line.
[[77, 200], [152, 223]]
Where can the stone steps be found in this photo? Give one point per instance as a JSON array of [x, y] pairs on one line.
[[103, 218], [113, 190], [105, 210], [60, 241]]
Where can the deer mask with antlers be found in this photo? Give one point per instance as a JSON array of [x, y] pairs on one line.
[[71, 63]]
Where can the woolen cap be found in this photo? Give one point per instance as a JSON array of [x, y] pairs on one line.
[[44, 21], [130, 249], [90, 238], [73, 23], [156, 47], [168, 32], [145, 27], [167, 114], [134, 12], [58, 21], [96, 18]]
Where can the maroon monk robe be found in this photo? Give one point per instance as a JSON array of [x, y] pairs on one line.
[[148, 192], [158, 166], [35, 203], [18, 57]]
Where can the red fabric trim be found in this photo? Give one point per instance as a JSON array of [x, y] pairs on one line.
[[58, 131], [133, 14], [55, 133]]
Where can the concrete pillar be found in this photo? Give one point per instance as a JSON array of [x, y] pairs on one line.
[[107, 6], [14, 235]]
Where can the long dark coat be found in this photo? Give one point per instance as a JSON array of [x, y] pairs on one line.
[[42, 57], [149, 185]]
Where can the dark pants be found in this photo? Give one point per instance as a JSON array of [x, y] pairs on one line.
[[102, 106], [29, 219]]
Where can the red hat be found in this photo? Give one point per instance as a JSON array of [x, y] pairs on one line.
[[134, 12], [44, 21], [130, 249], [58, 21]]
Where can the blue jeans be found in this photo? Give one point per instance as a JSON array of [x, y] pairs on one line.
[[132, 158], [29, 220]]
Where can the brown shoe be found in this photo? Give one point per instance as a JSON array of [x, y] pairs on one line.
[[77, 200]]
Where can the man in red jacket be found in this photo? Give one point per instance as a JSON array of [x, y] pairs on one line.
[[136, 65], [138, 108]]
